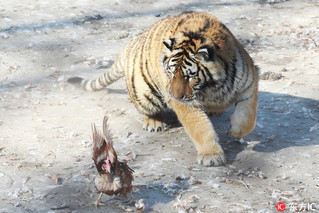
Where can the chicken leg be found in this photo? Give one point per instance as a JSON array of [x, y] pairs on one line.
[[98, 203], [131, 199]]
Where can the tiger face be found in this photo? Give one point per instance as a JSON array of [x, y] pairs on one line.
[[190, 65]]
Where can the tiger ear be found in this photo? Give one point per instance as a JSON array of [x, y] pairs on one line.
[[169, 43]]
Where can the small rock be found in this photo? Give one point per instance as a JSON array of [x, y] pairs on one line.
[[91, 166], [215, 185], [24, 180], [314, 127], [169, 159], [85, 143], [271, 76], [140, 206], [14, 193], [262, 175], [61, 78], [181, 177], [259, 125], [28, 86], [58, 180], [242, 140], [73, 135], [271, 138], [193, 199], [59, 207], [193, 181]]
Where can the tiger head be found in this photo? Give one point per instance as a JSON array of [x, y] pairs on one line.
[[190, 65], [197, 56], [192, 62]]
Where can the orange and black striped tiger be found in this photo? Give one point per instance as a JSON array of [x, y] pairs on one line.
[[193, 65]]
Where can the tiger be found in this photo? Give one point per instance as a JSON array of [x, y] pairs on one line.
[[192, 65]]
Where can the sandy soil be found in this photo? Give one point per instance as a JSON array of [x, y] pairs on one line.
[[45, 124]]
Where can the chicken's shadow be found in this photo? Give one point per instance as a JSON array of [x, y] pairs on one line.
[[156, 195]]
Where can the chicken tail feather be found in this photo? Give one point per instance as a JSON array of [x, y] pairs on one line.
[[102, 146], [109, 142], [99, 152]]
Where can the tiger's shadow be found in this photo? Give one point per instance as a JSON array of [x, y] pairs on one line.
[[282, 121]]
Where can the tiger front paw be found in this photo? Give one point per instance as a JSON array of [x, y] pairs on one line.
[[153, 125], [242, 129], [214, 158]]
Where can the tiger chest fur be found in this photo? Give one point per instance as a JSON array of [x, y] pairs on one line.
[[191, 64]]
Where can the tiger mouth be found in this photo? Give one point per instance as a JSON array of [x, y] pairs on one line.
[[184, 99], [189, 99]]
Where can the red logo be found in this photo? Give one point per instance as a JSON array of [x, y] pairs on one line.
[[280, 206]]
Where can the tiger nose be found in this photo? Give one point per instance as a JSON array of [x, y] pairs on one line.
[[178, 91], [180, 88]]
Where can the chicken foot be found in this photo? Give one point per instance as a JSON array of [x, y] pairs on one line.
[[98, 202], [131, 199]]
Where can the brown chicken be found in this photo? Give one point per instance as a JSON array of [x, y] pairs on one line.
[[114, 178]]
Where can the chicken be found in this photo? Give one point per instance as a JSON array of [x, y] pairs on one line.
[[115, 177]]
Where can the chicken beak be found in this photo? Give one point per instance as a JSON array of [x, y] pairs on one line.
[[111, 170], [108, 170]]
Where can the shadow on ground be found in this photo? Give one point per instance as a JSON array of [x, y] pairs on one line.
[[283, 121], [155, 196]]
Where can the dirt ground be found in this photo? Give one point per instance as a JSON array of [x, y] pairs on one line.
[[45, 123]]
